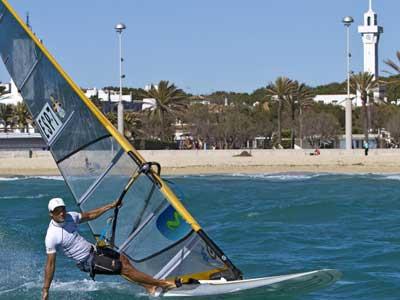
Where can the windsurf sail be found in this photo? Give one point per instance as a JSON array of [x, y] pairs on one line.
[[152, 228]]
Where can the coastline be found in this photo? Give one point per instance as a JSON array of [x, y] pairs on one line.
[[196, 162]]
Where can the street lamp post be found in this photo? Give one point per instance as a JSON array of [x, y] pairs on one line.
[[347, 21], [119, 28]]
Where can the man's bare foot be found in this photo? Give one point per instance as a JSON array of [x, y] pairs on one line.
[[165, 286], [151, 289], [168, 285]]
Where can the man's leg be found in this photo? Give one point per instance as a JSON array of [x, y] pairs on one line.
[[148, 282]]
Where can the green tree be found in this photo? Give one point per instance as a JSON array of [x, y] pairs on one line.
[[330, 88], [280, 89], [97, 101], [201, 122], [320, 127], [299, 98], [22, 116], [394, 66], [364, 83], [264, 125], [393, 83], [393, 126], [133, 125], [7, 115], [170, 101]]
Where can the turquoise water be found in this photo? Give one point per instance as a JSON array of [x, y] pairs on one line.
[[267, 224]]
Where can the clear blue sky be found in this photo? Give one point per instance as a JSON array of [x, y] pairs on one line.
[[208, 45]]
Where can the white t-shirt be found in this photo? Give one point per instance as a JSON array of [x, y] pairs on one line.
[[66, 237]]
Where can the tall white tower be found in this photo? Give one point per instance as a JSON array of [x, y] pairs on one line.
[[371, 32]]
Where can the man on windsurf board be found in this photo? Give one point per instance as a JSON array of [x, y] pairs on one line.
[[62, 233]]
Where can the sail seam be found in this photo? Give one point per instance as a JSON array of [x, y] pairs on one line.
[[90, 190], [148, 198], [142, 225], [135, 233], [173, 263], [29, 74], [177, 259], [3, 13], [163, 250], [81, 148]]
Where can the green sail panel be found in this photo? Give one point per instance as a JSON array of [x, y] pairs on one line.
[[96, 168]]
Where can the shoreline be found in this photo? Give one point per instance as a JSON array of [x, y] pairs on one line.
[[197, 162], [229, 170]]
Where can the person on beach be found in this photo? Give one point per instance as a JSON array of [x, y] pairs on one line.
[[62, 233], [366, 147], [316, 152]]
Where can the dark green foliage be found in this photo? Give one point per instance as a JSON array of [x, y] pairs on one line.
[[285, 107], [331, 88]]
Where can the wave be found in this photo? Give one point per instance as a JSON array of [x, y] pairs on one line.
[[392, 177], [253, 214], [58, 178], [25, 197], [84, 285], [10, 178], [278, 176]]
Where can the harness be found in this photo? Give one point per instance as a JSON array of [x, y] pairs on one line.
[[104, 261]]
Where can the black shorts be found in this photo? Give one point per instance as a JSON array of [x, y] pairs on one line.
[[102, 261]]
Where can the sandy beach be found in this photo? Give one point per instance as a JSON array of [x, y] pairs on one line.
[[228, 161]]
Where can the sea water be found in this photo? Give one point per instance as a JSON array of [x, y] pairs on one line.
[[267, 224]]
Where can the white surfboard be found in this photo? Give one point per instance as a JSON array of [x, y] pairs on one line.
[[267, 286]]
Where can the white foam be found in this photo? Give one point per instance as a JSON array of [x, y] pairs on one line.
[[278, 177], [392, 177], [25, 197], [10, 178], [58, 178], [26, 285], [253, 214], [84, 285]]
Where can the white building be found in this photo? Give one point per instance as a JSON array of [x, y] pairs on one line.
[[113, 96], [370, 32], [339, 99], [11, 96], [105, 95]]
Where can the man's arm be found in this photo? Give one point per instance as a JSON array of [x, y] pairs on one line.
[[48, 274], [95, 213]]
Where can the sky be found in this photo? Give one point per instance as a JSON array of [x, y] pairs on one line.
[[209, 45]]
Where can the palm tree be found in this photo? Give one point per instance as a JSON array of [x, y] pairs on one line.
[[299, 98], [280, 90], [132, 125], [393, 81], [364, 83], [169, 101], [6, 115], [392, 64], [22, 116]]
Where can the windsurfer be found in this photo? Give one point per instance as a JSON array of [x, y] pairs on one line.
[[63, 233]]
